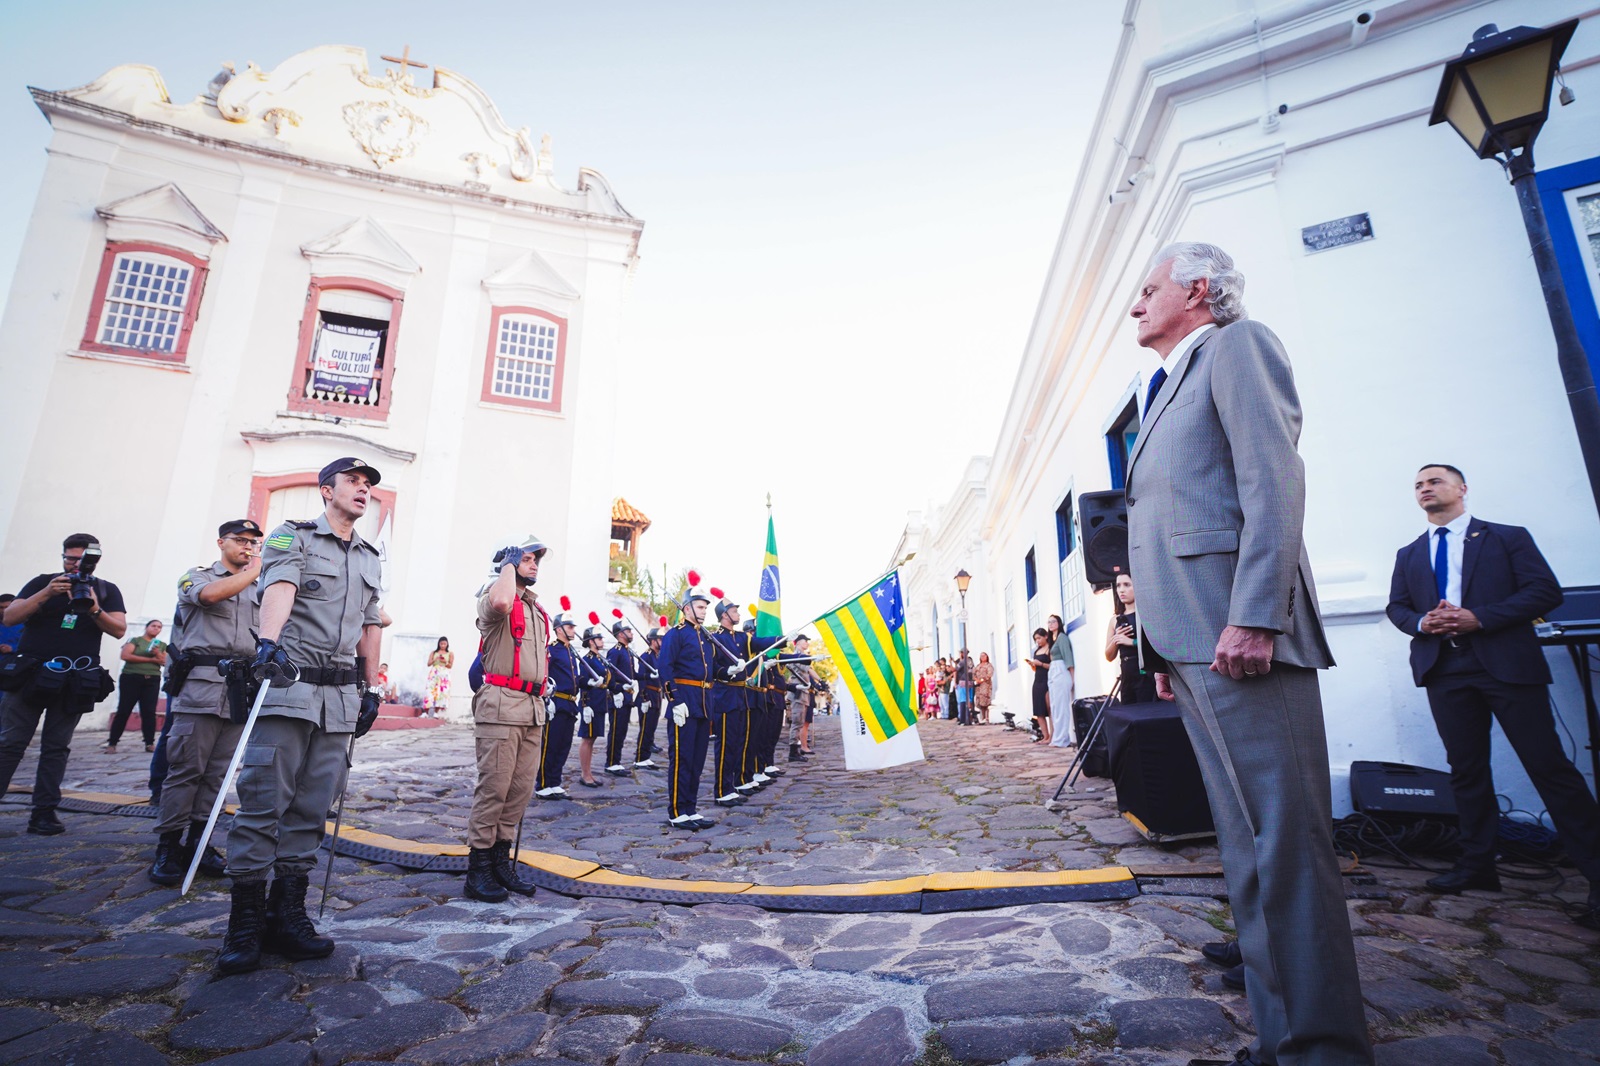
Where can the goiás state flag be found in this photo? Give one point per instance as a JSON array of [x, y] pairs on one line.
[[866, 638]]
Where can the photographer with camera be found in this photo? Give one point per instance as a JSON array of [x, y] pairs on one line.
[[207, 695], [318, 650], [56, 671]]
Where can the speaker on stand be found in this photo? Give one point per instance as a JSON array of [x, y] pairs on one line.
[[1103, 523]]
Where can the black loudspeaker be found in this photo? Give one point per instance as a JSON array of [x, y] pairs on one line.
[[1158, 781], [1397, 790], [1095, 762], [1103, 523]]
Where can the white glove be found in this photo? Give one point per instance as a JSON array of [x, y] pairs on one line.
[[588, 716], [550, 708], [680, 713], [616, 701], [633, 688], [549, 687], [596, 682], [733, 671]]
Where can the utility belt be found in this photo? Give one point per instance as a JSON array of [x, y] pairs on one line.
[[329, 675], [569, 697], [516, 684], [183, 664], [691, 684]]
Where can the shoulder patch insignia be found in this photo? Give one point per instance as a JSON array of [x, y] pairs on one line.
[[281, 541], [185, 583]]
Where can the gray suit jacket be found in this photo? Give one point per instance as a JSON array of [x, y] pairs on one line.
[[1216, 503]]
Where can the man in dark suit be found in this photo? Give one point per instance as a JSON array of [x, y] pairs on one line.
[[1467, 592], [1216, 511]]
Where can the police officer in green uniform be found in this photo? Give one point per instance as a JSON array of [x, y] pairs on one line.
[[319, 617], [216, 621]]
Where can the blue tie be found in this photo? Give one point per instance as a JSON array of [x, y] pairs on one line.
[[1441, 563], [1156, 381]]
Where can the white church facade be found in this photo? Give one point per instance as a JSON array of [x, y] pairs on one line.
[[1395, 267], [215, 298]]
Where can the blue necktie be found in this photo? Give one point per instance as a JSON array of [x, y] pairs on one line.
[[1156, 381], [1441, 563]]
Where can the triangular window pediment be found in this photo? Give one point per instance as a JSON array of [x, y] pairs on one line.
[[362, 248], [163, 215], [530, 279]]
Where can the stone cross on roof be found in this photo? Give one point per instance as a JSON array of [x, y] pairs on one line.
[[405, 60]]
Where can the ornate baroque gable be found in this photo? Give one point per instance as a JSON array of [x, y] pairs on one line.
[[326, 105]]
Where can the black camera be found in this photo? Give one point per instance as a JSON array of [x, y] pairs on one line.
[[82, 601]]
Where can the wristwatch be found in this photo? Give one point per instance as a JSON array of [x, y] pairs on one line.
[[95, 613]]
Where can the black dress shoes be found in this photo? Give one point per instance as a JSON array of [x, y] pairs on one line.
[[1233, 978], [1241, 1058], [1224, 953], [1590, 919], [1463, 878], [43, 822]]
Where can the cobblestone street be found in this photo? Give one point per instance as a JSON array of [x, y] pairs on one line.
[[101, 966]]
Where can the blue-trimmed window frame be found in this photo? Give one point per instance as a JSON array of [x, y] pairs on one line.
[[1553, 185]]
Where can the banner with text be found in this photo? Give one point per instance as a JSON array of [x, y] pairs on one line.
[[345, 360]]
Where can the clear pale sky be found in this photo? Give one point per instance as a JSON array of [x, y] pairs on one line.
[[849, 209]]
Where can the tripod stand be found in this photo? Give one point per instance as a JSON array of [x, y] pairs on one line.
[[1087, 740]]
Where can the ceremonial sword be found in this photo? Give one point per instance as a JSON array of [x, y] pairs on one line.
[[222, 793]]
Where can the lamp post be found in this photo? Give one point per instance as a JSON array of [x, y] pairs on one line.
[[1497, 97], [963, 579]]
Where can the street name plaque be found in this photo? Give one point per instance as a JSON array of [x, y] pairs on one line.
[[1352, 229]]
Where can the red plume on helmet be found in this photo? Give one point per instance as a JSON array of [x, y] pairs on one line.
[[566, 603], [616, 612], [694, 578], [594, 618], [662, 621], [715, 592]]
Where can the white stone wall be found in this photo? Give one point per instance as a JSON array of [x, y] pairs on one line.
[[165, 457]]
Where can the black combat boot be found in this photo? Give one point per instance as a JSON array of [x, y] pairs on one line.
[[481, 882], [241, 947], [289, 930], [794, 753], [507, 873], [211, 862], [168, 869]]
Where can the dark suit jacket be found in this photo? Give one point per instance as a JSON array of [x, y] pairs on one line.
[[1505, 582]]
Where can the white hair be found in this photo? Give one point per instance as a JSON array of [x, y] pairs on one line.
[[1194, 261]]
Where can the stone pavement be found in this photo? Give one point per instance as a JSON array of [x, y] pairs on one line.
[[101, 966]]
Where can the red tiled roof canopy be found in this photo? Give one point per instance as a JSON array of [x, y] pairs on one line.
[[625, 513]]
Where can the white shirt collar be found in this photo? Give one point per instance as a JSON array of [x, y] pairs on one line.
[[1457, 527], [1193, 336]]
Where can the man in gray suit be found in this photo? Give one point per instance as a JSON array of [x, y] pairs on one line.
[[1216, 505]]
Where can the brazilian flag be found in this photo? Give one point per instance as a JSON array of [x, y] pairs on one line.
[[867, 639], [769, 621]]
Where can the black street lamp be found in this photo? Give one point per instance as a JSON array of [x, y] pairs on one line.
[[1497, 96]]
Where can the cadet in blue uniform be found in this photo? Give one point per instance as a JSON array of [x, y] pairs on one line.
[[624, 689], [563, 706], [756, 744], [687, 660], [596, 674], [652, 697], [731, 704]]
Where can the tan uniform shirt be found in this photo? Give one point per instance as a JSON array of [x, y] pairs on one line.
[[505, 706], [223, 628], [336, 597]]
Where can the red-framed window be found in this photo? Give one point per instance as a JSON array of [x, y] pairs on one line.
[[526, 358], [345, 361], [307, 505], [145, 301]]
